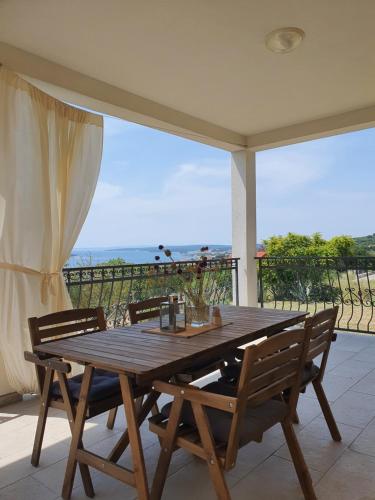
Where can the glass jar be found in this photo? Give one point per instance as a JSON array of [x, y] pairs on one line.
[[198, 316]]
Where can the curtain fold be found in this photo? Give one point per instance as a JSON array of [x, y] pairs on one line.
[[50, 155]]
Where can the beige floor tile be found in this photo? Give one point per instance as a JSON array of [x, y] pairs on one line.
[[192, 482], [333, 386], [365, 442], [273, 479], [354, 408], [351, 478], [367, 355], [354, 370], [106, 488], [366, 385], [308, 409], [26, 489], [18, 466], [318, 448], [338, 356]]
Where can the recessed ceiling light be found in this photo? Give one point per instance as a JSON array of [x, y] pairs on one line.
[[284, 40]]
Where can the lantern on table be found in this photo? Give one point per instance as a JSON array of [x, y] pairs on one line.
[[173, 315]]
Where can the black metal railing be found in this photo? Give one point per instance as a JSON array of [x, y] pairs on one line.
[[316, 283], [114, 287]]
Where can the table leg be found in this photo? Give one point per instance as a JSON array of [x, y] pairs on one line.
[[76, 442], [142, 413], [134, 438]]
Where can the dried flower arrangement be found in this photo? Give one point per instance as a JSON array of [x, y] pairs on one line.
[[190, 279]]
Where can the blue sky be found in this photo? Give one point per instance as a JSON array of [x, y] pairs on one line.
[[155, 187]]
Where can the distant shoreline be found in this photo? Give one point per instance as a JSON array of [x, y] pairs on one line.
[[140, 255]]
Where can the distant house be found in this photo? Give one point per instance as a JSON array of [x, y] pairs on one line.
[[261, 254]]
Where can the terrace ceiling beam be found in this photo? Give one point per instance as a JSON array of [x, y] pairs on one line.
[[82, 90], [315, 129]]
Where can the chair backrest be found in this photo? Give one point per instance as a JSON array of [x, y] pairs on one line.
[[65, 323], [146, 309], [268, 369], [322, 325], [273, 366]]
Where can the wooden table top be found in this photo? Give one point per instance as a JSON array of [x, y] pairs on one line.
[[147, 356]]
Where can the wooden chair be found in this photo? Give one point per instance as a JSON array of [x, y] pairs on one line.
[[146, 309], [322, 325], [149, 309], [217, 420], [63, 393]]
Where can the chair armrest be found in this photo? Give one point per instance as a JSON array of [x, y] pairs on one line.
[[195, 395], [53, 363]]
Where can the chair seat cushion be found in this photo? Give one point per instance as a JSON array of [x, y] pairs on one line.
[[104, 385], [310, 372], [231, 372], [198, 370], [256, 419]]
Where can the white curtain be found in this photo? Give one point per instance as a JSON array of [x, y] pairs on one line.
[[50, 155]]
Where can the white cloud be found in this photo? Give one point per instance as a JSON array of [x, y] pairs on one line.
[[106, 192], [192, 206], [287, 172]]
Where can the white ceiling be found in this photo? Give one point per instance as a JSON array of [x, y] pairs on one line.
[[207, 58]]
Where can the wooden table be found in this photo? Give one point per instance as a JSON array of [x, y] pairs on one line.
[[139, 358]]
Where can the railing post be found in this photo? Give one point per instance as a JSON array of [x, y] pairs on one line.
[[260, 281], [236, 287]]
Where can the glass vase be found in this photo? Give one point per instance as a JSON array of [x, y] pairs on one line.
[[198, 316]]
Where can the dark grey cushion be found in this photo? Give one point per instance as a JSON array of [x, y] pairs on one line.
[[231, 372], [310, 372], [256, 419], [104, 385]]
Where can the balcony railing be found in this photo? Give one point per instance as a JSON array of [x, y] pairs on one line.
[[114, 287], [316, 283]]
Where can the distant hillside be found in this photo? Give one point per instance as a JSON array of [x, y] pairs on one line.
[[366, 243]]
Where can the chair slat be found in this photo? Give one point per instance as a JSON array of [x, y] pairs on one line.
[[67, 316], [145, 309], [280, 341], [313, 353], [274, 389], [321, 328], [81, 326], [274, 360], [322, 317], [272, 376]]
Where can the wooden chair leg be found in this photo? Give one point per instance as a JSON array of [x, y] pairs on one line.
[[214, 464], [167, 446], [111, 418], [295, 418], [70, 410], [299, 461], [134, 438], [326, 409], [76, 442], [123, 442], [42, 418]]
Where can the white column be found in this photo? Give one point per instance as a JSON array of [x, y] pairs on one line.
[[244, 234]]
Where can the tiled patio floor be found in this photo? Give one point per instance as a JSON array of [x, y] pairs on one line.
[[342, 471]]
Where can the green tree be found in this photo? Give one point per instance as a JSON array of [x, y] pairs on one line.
[[305, 280]]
